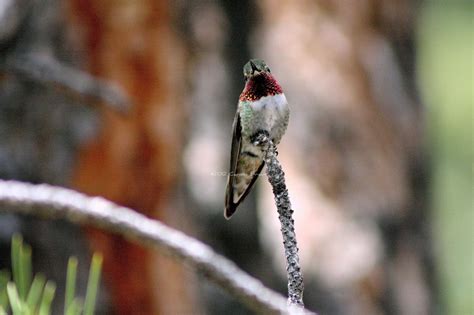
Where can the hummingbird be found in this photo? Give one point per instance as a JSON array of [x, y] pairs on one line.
[[262, 107]]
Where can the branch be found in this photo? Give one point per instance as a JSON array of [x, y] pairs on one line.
[[276, 177], [47, 70], [55, 202]]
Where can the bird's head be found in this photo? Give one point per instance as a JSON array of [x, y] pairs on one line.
[[259, 81], [255, 67]]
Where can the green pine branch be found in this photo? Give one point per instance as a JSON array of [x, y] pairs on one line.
[[24, 294]]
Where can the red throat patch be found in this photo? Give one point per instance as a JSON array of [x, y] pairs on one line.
[[259, 86]]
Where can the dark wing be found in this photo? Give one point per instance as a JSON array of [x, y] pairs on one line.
[[230, 205]]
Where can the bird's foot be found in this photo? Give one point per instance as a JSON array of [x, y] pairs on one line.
[[261, 137]]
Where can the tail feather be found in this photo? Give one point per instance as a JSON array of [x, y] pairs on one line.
[[229, 210], [231, 204]]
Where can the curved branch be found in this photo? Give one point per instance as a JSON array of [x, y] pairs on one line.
[[56, 202]]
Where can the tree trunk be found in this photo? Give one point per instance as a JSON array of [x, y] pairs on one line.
[[135, 161]]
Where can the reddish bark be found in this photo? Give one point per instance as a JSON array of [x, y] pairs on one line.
[[134, 160]]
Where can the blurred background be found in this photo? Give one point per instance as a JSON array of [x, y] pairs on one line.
[[378, 154]]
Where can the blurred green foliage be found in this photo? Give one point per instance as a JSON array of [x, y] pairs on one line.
[[445, 59], [26, 295]]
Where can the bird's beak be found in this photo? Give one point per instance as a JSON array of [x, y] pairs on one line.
[[254, 67]]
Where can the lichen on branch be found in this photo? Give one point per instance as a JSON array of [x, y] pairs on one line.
[[276, 177], [56, 202]]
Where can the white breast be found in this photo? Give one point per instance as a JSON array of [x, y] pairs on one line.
[[272, 102], [271, 113]]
